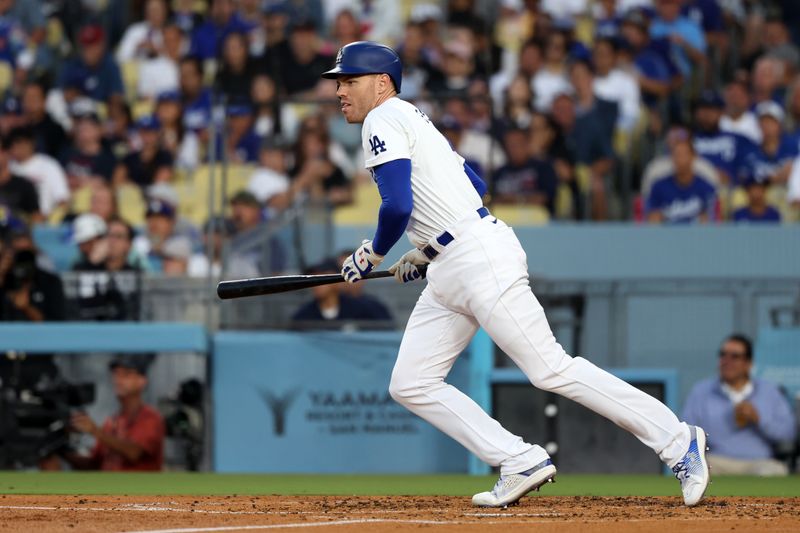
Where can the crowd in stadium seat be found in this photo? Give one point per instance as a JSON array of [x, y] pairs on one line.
[[579, 110]]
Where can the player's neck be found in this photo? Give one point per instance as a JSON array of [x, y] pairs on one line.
[[384, 97]]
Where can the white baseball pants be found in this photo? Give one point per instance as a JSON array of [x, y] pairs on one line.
[[481, 279]]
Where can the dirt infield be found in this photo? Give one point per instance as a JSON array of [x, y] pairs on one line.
[[173, 514]]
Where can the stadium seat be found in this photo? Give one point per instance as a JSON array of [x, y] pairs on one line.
[[6, 76], [363, 210], [193, 192], [131, 204], [130, 79]]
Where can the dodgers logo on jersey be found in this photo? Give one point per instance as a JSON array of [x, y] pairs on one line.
[[377, 145]]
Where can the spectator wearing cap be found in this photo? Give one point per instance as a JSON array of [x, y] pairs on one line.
[[249, 240], [133, 438], [241, 141], [89, 233], [331, 308], [42, 170], [269, 183], [683, 197], [49, 135], [728, 152], [653, 68], [151, 163], [88, 158], [161, 227], [614, 84], [237, 70], [94, 69], [757, 209], [195, 96], [773, 157], [454, 133], [17, 194], [551, 79], [295, 64], [216, 232], [222, 20], [686, 36], [524, 179], [108, 281], [160, 73], [144, 39], [738, 117]]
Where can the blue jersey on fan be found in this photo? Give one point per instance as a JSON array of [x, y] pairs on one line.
[[726, 151], [746, 215], [762, 166], [12, 39], [681, 204]]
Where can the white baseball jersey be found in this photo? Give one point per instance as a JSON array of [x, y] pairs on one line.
[[442, 191]]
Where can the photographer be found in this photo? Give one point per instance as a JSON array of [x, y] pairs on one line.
[[133, 438], [27, 293]]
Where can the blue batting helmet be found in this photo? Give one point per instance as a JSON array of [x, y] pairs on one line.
[[367, 57]]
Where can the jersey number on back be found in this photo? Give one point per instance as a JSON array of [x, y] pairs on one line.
[[377, 145]]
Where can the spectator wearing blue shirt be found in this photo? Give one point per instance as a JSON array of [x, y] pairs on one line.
[[222, 19], [772, 159], [728, 152], [682, 197], [757, 208], [746, 416], [241, 143], [94, 72], [12, 35], [195, 97], [653, 70], [686, 36]]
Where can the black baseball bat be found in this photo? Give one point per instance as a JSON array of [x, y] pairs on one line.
[[240, 288]]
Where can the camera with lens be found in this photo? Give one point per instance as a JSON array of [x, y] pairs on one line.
[[34, 421], [22, 271], [185, 422]]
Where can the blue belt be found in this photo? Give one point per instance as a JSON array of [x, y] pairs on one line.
[[446, 238]]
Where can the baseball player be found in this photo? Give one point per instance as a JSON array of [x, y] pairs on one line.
[[477, 276]]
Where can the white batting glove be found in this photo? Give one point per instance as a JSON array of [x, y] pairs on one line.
[[406, 269], [361, 263]]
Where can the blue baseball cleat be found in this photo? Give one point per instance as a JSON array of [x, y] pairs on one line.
[[510, 488], [692, 470]]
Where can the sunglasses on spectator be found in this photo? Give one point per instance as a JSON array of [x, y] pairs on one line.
[[732, 355]]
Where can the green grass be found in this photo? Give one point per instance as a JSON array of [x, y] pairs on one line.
[[455, 485]]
